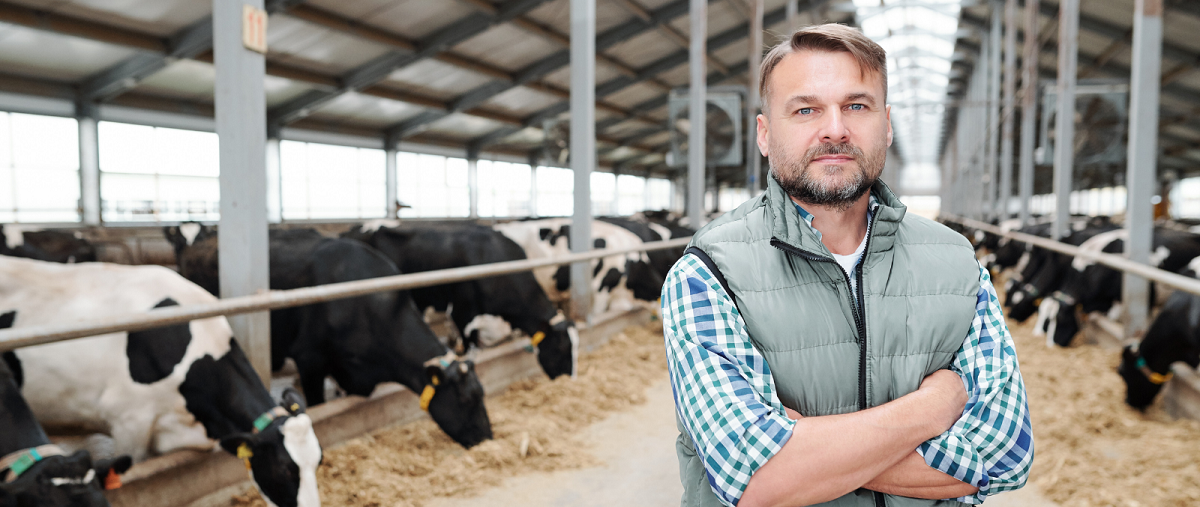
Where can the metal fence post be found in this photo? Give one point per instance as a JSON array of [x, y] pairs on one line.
[[583, 145], [1029, 84], [1064, 147]]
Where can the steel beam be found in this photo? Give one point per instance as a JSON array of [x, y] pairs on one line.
[[241, 126], [188, 43], [274, 181], [1140, 174], [537, 70], [1010, 112], [379, 68], [1029, 86], [582, 146], [753, 157], [1064, 147], [697, 112]]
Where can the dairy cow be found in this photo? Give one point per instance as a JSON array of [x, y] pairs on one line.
[[45, 245], [1173, 336], [1045, 273], [617, 280], [485, 310], [360, 342], [33, 472], [185, 386], [1093, 287]]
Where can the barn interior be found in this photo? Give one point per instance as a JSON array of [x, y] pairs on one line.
[[120, 119]]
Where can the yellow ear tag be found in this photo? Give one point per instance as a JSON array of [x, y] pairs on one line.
[[427, 396], [244, 453], [537, 338], [294, 408]]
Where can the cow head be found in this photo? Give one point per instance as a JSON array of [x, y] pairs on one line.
[[64, 481], [1024, 302], [645, 282], [283, 457], [1057, 319], [453, 397], [187, 234], [558, 346], [1140, 389]]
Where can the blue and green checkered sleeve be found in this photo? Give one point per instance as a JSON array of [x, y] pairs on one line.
[[991, 445], [724, 394]]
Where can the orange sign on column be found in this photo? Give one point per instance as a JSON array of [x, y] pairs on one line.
[[254, 29]]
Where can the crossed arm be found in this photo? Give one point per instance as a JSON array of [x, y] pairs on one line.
[[872, 449]]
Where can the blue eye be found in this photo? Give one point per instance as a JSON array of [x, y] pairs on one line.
[[857, 107], [805, 110]]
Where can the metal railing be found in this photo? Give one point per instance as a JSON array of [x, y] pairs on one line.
[[271, 300], [1120, 263]]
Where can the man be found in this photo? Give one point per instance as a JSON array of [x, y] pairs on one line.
[[824, 347]]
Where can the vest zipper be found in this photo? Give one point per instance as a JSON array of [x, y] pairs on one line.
[[858, 310]]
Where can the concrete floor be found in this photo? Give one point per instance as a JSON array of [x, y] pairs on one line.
[[640, 469]]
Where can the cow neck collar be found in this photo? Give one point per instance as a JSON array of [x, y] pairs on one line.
[[1151, 375], [21, 461]]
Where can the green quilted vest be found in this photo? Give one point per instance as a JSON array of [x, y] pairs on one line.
[[918, 282]]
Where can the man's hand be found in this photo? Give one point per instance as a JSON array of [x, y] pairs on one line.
[[946, 396]]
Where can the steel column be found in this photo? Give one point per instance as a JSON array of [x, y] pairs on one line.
[[582, 146], [697, 112], [991, 66], [1009, 114], [1143, 151], [1029, 85], [473, 184], [242, 128], [1064, 146], [89, 169], [274, 182], [753, 158], [792, 9], [534, 161], [390, 181]]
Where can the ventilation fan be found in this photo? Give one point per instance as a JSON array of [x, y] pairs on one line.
[[723, 126], [1101, 116]]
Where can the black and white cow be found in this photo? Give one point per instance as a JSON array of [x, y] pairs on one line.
[[1173, 336], [485, 310], [1093, 287], [45, 245], [617, 280], [362, 341], [1045, 273], [33, 472], [184, 386], [661, 260]]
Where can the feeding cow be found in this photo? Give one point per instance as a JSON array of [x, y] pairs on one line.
[[360, 342], [660, 260], [45, 245], [616, 279], [1093, 287], [1046, 273], [182, 386], [33, 472], [1173, 336], [485, 310]]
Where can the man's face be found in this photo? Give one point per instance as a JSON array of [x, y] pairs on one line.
[[826, 128]]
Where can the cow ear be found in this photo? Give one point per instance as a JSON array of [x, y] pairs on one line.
[[233, 443], [293, 402], [434, 372], [7, 319]]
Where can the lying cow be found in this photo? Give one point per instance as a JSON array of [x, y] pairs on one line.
[[516, 299], [45, 245], [616, 279], [32, 471], [178, 387], [1093, 287], [360, 342]]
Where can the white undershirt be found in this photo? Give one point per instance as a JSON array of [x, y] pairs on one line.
[[849, 264]]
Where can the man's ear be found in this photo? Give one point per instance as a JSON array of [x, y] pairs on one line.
[[763, 135], [888, 113]]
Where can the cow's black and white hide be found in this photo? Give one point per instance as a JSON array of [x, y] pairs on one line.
[[1050, 272], [32, 471], [661, 260], [192, 237], [1091, 287], [45, 245], [360, 342], [485, 310], [617, 280], [1008, 253], [1173, 336], [184, 386]]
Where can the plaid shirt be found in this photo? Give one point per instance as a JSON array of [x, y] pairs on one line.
[[725, 395]]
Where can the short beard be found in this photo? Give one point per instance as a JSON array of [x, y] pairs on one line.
[[797, 179]]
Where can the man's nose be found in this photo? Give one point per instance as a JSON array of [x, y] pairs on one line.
[[834, 129]]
